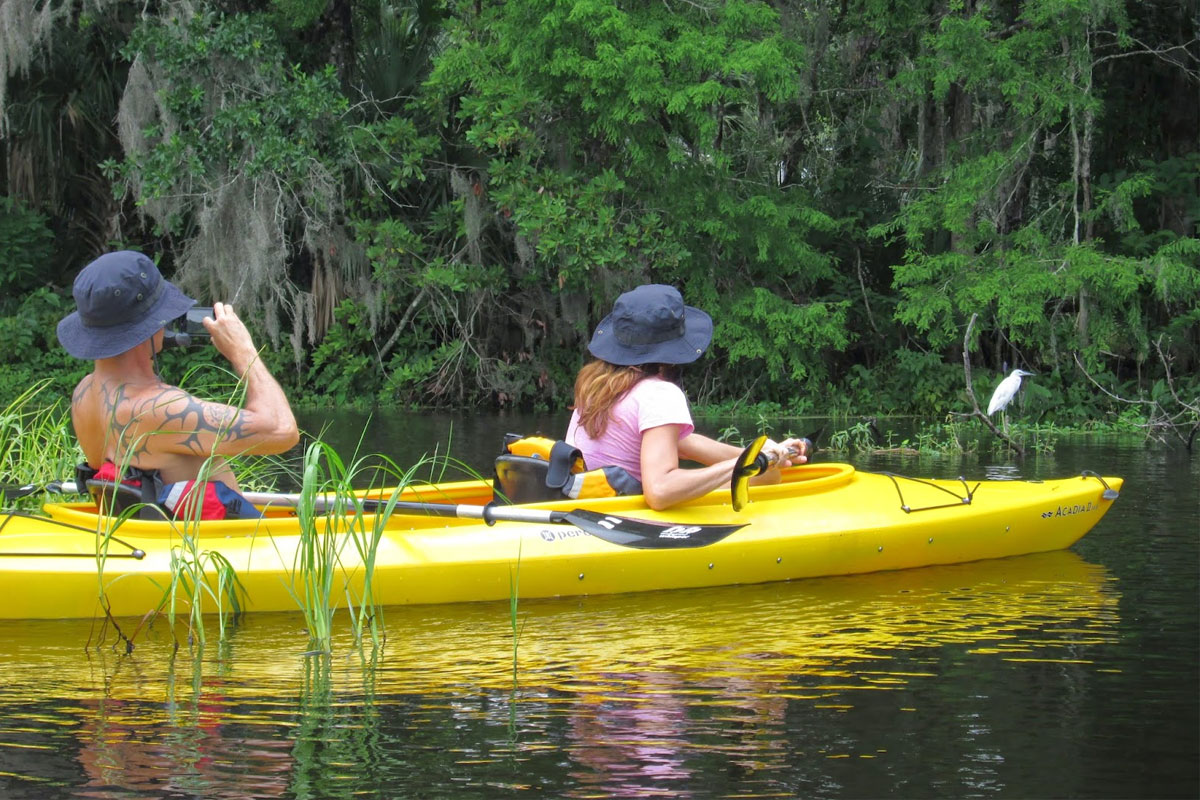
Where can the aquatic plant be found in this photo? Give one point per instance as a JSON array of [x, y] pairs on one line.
[[343, 510], [318, 556], [1041, 437], [858, 438], [366, 536], [37, 445], [514, 593], [199, 575], [517, 625], [334, 514], [955, 437], [200, 580]]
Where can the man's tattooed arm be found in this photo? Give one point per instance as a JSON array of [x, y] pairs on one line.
[[204, 426]]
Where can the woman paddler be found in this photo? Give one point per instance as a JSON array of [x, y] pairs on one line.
[[631, 412]]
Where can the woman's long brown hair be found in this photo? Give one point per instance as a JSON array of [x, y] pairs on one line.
[[600, 385]]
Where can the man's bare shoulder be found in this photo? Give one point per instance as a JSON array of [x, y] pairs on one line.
[[82, 388]]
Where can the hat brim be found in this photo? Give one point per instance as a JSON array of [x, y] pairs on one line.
[[92, 342], [697, 335]]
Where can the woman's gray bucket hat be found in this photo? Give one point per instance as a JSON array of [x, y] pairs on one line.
[[651, 325]]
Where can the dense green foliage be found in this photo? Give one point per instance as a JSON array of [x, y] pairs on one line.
[[432, 202]]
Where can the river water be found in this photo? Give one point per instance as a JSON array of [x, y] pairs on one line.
[[1067, 674]]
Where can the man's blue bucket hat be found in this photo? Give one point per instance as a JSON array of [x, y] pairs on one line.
[[121, 301]]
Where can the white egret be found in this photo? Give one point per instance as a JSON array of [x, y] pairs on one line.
[[1006, 391]]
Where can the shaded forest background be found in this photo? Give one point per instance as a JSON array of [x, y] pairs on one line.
[[432, 203]]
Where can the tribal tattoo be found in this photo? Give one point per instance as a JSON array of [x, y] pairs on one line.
[[199, 418], [120, 418], [174, 409], [82, 388]]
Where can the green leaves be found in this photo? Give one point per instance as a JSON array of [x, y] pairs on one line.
[[26, 246], [599, 114], [786, 338], [31, 352], [230, 98], [452, 193], [1019, 98]]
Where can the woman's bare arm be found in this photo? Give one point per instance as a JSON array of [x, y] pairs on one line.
[[664, 482]]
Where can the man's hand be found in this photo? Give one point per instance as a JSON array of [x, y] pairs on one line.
[[230, 337], [265, 421]]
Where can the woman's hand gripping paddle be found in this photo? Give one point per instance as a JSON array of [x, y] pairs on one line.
[[753, 462]]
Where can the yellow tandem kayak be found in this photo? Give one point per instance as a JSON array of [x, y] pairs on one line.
[[822, 520]]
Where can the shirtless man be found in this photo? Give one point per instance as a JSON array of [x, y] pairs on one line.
[[124, 413]]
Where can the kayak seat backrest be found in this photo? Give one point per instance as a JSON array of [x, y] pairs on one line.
[[114, 498], [522, 479]]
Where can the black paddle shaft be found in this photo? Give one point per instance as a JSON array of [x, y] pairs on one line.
[[624, 531]]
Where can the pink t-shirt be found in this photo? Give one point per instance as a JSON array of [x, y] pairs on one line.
[[650, 403]]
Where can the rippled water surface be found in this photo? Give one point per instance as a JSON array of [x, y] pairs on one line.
[[1067, 674]]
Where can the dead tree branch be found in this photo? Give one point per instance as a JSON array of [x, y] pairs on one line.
[[976, 411], [1182, 423]]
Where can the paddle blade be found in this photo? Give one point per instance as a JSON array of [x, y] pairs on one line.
[[747, 466], [12, 492], [646, 535], [814, 438]]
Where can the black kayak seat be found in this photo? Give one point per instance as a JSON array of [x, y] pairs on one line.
[[522, 479], [115, 498]]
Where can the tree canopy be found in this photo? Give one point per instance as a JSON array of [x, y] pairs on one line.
[[432, 202]]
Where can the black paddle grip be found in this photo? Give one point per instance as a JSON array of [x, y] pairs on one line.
[[762, 463]]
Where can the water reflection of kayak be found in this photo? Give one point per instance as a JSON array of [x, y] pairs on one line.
[[1041, 607], [825, 519]]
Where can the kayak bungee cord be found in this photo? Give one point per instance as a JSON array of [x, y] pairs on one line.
[[963, 500], [134, 552]]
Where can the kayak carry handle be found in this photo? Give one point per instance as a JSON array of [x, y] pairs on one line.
[[1109, 493]]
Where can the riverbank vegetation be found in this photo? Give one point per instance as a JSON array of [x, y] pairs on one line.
[[37, 445], [431, 203]]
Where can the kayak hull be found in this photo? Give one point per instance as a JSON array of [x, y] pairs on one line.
[[823, 520]]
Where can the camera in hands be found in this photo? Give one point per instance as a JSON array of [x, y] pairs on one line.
[[188, 329]]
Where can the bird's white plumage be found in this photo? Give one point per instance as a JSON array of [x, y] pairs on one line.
[[1006, 391]]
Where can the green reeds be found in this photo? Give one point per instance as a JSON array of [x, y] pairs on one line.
[[514, 594], [334, 562], [203, 580], [517, 625], [339, 540], [37, 445], [858, 438], [200, 580], [956, 437], [317, 559]]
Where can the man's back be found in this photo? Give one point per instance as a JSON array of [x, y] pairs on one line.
[[124, 413], [150, 425]]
